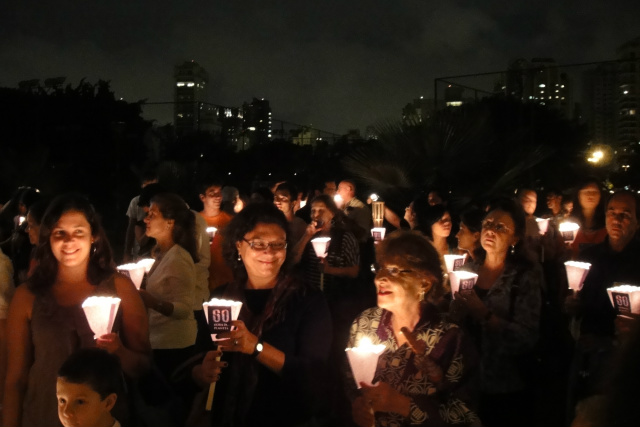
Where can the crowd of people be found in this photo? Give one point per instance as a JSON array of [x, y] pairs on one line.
[[518, 348]]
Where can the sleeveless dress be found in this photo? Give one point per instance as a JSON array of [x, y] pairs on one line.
[[56, 332]]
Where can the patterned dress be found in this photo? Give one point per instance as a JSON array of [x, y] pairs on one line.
[[447, 403]]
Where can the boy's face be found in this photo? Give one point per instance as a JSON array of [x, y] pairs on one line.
[[80, 406]]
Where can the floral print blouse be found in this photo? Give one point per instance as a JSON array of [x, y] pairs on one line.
[[447, 403]]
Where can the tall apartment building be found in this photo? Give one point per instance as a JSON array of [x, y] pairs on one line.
[[542, 81], [256, 120], [191, 111], [600, 103], [629, 93]]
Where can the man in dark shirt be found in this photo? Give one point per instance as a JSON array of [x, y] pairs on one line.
[[614, 260]]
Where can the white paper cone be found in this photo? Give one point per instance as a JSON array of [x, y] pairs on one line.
[[101, 313], [147, 263], [211, 231], [454, 262], [576, 273], [462, 281], [363, 361], [236, 306], [543, 225], [568, 230], [625, 298], [378, 233], [134, 271], [320, 246]]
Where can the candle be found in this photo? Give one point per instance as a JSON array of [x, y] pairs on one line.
[[363, 360], [462, 281], [101, 313], [211, 231], [377, 212], [378, 233], [576, 273], [147, 263], [454, 262], [135, 272], [219, 314], [321, 246], [625, 298], [568, 230], [543, 225]]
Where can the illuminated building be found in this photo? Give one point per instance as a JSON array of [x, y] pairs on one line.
[[256, 121], [629, 93], [540, 81], [191, 111]]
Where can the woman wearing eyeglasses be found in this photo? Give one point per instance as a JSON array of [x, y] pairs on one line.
[[423, 377], [502, 315], [274, 361]]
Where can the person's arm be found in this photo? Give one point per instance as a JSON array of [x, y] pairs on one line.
[[298, 250], [350, 253], [19, 357], [391, 217], [132, 346]]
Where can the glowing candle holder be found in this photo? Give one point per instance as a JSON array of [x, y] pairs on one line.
[[454, 262], [219, 314], [211, 231], [363, 360], [321, 246], [135, 272], [378, 234], [625, 298], [377, 212], [543, 225], [462, 281], [576, 273], [101, 313], [147, 263], [568, 230]]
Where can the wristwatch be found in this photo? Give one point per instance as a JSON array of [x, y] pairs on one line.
[[258, 349]]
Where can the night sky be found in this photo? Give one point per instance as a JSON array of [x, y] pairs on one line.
[[334, 64]]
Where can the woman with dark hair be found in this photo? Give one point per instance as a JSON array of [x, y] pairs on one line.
[[435, 224], [277, 352], [503, 313], [343, 255], [171, 283], [74, 262], [469, 234], [589, 212], [423, 375]]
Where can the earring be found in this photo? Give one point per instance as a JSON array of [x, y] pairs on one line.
[[421, 296], [513, 249], [239, 258]]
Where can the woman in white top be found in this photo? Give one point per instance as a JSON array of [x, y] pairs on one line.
[[170, 287]]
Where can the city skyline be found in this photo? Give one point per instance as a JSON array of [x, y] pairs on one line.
[[334, 66]]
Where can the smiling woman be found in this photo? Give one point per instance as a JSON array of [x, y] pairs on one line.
[[277, 354], [424, 373], [73, 263]]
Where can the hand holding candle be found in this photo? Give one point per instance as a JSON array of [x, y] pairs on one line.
[[135, 272], [363, 360], [101, 313], [462, 281], [321, 246]]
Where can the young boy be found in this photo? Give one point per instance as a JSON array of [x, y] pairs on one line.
[[88, 386]]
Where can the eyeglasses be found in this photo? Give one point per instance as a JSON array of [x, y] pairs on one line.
[[261, 245], [393, 271], [497, 227]]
